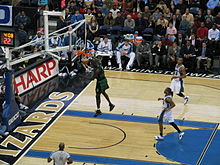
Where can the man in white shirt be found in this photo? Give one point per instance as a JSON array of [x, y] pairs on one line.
[[125, 49], [213, 34], [60, 157], [105, 47]]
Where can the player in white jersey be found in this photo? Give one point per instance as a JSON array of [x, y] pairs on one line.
[[167, 115], [177, 81], [60, 157]]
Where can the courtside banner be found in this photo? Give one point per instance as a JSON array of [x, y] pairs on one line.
[[36, 76], [5, 15]]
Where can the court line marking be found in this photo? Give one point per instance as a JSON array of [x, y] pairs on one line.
[[140, 119], [97, 159], [53, 122], [108, 146], [207, 145], [161, 81]]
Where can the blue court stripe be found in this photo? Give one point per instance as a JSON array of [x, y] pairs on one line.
[[138, 119], [94, 159]]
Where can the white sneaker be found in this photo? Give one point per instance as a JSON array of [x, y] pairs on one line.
[[181, 134], [158, 137], [186, 99]]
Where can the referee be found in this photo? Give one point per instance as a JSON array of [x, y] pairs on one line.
[[60, 157]]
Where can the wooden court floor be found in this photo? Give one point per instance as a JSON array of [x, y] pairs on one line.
[[117, 136]]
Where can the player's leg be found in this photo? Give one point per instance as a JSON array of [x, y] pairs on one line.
[[131, 61], [112, 106], [98, 103], [160, 122], [178, 130], [118, 57], [180, 88]]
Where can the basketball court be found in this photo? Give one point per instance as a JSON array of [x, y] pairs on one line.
[[126, 135]]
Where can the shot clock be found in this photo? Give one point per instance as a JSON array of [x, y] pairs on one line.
[[7, 39]]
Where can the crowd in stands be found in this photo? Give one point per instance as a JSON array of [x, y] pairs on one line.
[[169, 29]]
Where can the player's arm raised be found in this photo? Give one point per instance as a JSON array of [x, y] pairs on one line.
[[170, 101]]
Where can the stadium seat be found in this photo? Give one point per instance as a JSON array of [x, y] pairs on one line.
[[127, 29]]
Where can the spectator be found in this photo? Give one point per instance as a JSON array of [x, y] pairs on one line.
[[129, 22], [104, 10], [202, 32], [39, 40], [146, 12], [72, 7], [109, 20], [159, 51], [178, 15], [146, 22], [134, 14], [188, 53], [160, 31], [181, 6], [173, 54], [188, 15], [143, 52], [167, 42], [98, 3], [217, 20], [114, 11], [152, 5], [216, 9], [208, 23], [156, 15], [180, 40], [194, 42], [67, 16], [22, 19], [171, 32], [119, 20], [162, 6], [124, 13], [184, 24], [76, 17], [139, 23], [66, 40], [100, 19], [200, 16], [209, 15], [93, 28], [22, 35], [61, 23], [139, 5], [162, 19], [191, 29], [60, 157], [167, 14], [204, 54], [175, 21], [213, 34], [55, 41], [125, 49]]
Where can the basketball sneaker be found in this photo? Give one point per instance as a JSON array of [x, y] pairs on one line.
[[181, 134], [158, 137], [97, 113], [186, 99], [112, 106]]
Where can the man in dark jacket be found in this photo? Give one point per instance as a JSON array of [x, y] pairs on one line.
[[119, 20], [188, 53]]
